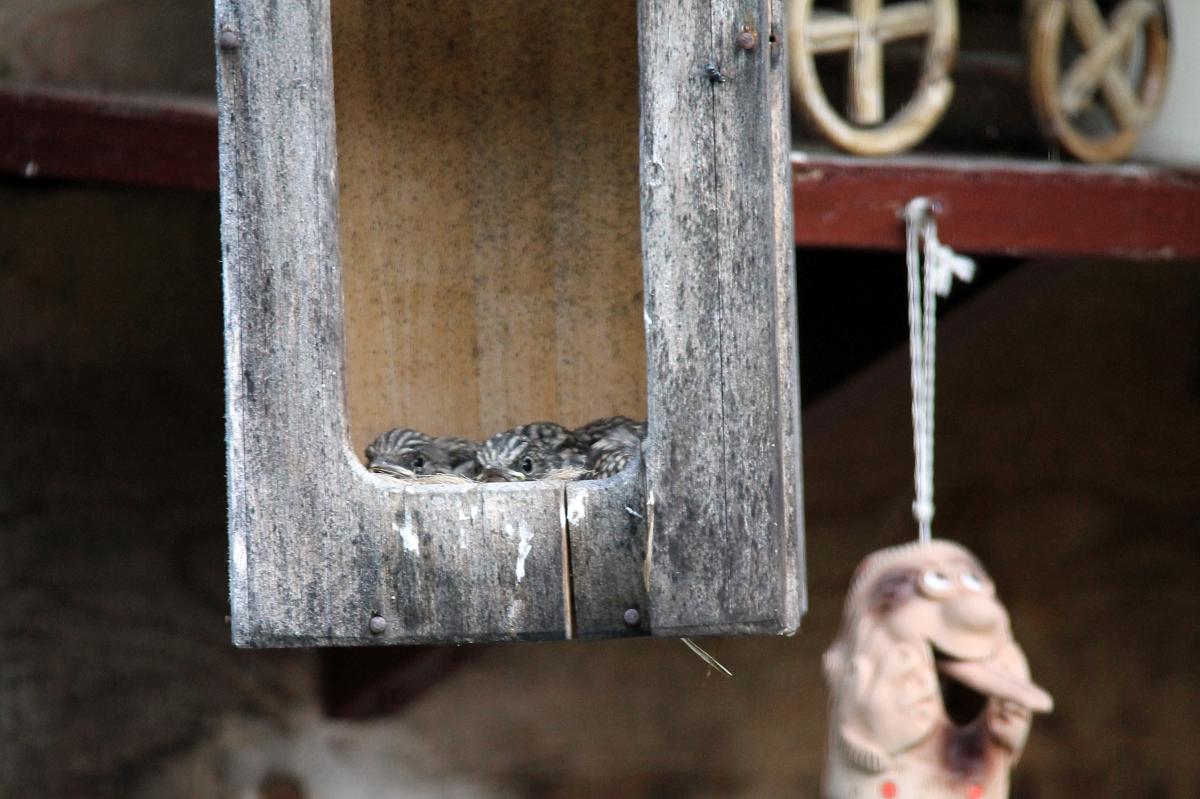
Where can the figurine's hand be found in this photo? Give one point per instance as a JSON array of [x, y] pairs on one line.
[[1009, 721], [896, 701], [1009, 725]]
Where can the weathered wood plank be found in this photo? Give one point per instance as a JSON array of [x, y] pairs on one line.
[[679, 252], [753, 555], [606, 528], [785, 330], [279, 242], [318, 546], [485, 561], [723, 544]]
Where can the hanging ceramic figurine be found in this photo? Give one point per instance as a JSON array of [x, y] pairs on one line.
[[931, 694]]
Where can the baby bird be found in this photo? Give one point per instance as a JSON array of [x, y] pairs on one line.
[[407, 453], [462, 452], [588, 434], [552, 435], [610, 454], [528, 452]]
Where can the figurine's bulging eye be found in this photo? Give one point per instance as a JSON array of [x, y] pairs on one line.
[[971, 582], [934, 582], [527, 465]]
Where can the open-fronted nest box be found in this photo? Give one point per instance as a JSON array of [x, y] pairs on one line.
[[462, 216]]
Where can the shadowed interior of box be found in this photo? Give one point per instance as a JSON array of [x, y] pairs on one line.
[[490, 224]]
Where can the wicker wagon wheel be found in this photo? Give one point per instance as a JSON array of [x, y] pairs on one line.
[[864, 32], [1102, 71]]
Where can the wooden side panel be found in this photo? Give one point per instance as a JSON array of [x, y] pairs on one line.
[[317, 545], [279, 246], [606, 524], [787, 320], [723, 537]]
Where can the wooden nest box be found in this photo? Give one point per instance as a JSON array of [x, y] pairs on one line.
[[462, 216]]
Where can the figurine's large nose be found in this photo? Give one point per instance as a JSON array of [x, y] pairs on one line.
[[974, 613]]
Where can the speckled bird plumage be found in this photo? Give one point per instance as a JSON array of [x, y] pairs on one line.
[[462, 453], [407, 453], [612, 452], [539, 450], [588, 434], [516, 455], [552, 435]]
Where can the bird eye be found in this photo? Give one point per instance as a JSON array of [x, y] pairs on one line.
[[418, 462], [934, 582], [527, 465], [971, 582]]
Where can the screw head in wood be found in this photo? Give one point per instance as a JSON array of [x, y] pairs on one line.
[[632, 617], [377, 624], [229, 38], [746, 40]]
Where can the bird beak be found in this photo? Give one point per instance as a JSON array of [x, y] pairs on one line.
[[498, 474], [390, 469]]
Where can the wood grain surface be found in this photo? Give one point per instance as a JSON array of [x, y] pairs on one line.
[[489, 213], [487, 274], [318, 547], [722, 536]]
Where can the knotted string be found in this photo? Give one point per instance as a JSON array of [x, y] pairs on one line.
[[941, 266]]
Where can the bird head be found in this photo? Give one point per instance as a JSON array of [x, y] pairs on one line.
[[407, 453], [513, 456]]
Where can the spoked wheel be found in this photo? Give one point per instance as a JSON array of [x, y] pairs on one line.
[[863, 32], [1096, 84]]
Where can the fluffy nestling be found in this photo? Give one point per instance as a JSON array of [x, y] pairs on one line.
[[407, 453], [528, 452], [609, 454], [587, 435]]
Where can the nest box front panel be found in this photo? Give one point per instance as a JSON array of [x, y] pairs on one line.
[[516, 211]]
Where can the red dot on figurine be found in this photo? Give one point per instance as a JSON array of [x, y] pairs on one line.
[[975, 792], [888, 790]]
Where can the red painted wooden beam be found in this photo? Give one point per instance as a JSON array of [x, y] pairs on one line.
[[989, 205], [999, 206], [89, 137]]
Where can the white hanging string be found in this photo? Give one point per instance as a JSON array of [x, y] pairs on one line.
[[941, 266]]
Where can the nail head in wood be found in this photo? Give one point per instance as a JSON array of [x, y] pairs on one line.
[[377, 624], [746, 40], [632, 617], [229, 38]]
